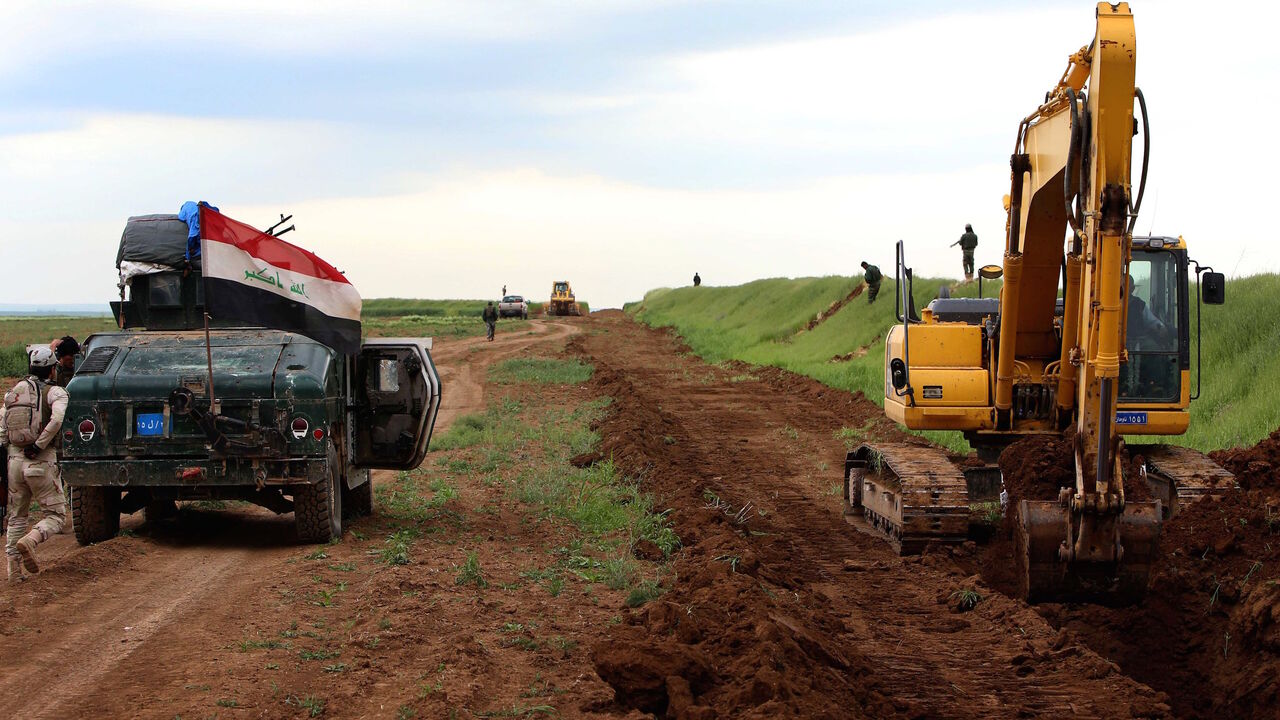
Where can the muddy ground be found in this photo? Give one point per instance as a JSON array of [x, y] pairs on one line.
[[775, 606]]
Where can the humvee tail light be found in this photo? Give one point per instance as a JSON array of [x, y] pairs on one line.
[[317, 434], [87, 430], [299, 428]]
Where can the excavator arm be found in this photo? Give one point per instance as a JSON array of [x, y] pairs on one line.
[[1071, 179]]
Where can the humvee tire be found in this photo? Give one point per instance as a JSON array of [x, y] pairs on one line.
[[95, 513], [358, 501], [317, 510]]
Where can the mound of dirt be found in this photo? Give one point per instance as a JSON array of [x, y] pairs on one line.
[[1209, 632], [1255, 468], [1036, 467]]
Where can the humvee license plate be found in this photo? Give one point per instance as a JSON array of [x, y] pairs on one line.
[[149, 424]]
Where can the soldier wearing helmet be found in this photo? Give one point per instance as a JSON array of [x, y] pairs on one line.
[[29, 426]]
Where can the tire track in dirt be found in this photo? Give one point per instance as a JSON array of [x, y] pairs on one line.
[[106, 622], [846, 627]]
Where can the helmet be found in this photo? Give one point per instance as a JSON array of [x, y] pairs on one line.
[[41, 357]]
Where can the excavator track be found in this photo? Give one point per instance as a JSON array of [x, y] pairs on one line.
[[909, 494], [1179, 476]]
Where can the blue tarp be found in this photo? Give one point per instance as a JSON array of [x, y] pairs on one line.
[[190, 214]]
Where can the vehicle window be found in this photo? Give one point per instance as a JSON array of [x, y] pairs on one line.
[[165, 290], [388, 375], [1151, 334]]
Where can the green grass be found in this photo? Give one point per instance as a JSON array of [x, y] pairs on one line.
[[761, 323], [542, 371], [18, 331]]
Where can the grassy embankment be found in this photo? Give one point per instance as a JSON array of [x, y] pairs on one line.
[[762, 322]]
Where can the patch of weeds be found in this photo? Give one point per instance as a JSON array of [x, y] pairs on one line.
[[319, 554], [989, 513], [555, 585], [619, 572], [343, 567], [313, 705], [790, 432], [270, 644], [731, 560], [318, 654], [404, 712], [542, 371], [227, 702], [373, 643], [335, 668], [397, 550], [469, 572], [644, 592], [324, 598], [273, 666], [745, 377], [384, 623], [520, 711], [966, 599]]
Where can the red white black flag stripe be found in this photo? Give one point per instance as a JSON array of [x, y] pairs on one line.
[[259, 279]]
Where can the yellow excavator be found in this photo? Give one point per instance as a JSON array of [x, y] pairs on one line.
[[1088, 340]]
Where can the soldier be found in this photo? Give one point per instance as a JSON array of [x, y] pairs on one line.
[[967, 242], [65, 350], [872, 277], [490, 316], [696, 280], [32, 419]]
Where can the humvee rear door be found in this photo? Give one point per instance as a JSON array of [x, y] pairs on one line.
[[397, 393]]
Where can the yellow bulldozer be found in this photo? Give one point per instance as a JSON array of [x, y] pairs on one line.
[[1088, 342], [562, 301]]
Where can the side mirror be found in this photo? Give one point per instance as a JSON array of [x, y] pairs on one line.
[[1213, 288]]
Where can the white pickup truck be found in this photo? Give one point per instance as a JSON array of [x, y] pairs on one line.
[[513, 306]]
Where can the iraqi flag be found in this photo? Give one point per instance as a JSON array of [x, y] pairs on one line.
[[253, 277]]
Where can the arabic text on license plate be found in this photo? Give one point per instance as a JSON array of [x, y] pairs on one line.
[[150, 423], [1131, 418]]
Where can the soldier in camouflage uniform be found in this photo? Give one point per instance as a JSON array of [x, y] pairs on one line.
[[968, 242], [872, 277], [33, 466]]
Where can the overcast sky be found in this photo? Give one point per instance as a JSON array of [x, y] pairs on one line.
[[443, 149]]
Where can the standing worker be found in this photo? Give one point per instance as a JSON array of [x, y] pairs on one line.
[[967, 242], [32, 419], [490, 316], [65, 350], [696, 280], [872, 277]]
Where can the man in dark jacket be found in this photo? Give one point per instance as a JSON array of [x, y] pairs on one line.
[[65, 350], [872, 277], [490, 316], [968, 242]]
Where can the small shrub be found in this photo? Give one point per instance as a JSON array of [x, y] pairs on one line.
[[469, 573]]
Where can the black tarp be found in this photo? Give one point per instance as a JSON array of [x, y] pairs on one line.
[[159, 239]]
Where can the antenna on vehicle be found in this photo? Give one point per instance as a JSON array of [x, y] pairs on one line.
[[1155, 205]]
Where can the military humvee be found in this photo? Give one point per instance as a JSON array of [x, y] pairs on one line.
[[294, 426]]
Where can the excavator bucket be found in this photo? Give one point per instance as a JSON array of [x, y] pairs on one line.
[[1052, 572]]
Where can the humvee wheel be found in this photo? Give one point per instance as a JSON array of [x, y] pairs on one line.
[[358, 501], [317, 510], [95, 513]]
